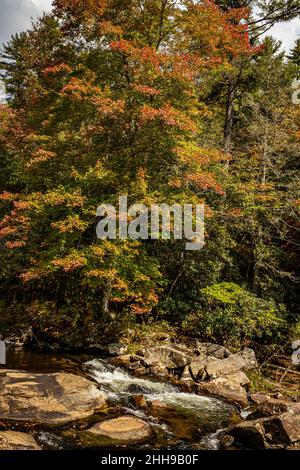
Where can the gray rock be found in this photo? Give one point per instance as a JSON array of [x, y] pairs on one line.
[[249, 357], [245, 360], [116, 349], [211, 349], [168, 356], [221, 367]]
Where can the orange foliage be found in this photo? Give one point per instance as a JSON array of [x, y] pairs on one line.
[[169, 115]]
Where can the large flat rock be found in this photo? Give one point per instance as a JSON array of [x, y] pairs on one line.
[[125, 428], [168, 356], [11, 440], [51, 399]]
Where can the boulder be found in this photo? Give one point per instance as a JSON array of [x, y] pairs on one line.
[[186, 375], [230, 388], [158, 405], [226, 441], [259, 397], [168, 356], [268, 409], [220, 367], [244, 361], [49, 399], [272, 432], [139, 401], [197, 367], [126, 360], [285, 428], [137, 389], [249, 358], [123, 429], [267, 406], [140, 371], [250, 434], [211, 349], [117, 349], [159, 371], [11, 440]]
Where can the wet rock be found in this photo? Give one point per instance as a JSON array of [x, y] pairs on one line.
[[15, 342], [11, 440], [123, 429], [139, 401], [116, 349], [187, 385], [49, 399], [168, 356], [158, 406], [230, 388]]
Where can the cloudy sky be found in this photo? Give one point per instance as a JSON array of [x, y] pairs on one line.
[[15, 16]]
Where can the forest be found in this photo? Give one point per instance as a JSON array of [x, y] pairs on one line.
[[165, 101], [143, 343]]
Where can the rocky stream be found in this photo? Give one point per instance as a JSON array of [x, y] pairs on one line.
[[166, 397]]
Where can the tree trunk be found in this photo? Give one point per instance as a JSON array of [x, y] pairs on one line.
[[257, 264], [229, 120], [106, 298]]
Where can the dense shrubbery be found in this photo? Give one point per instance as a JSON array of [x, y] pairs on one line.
[[233, 315]]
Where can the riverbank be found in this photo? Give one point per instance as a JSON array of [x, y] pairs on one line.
[[165, 389]]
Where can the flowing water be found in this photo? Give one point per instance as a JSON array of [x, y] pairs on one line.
[[179, 420]]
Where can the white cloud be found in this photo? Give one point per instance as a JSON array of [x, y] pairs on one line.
[[43, 5], [16, 15], [287, 33]]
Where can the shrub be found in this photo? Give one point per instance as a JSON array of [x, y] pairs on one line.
[[232, 314]]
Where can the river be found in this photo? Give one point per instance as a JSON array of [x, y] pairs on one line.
[[179, 420]]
